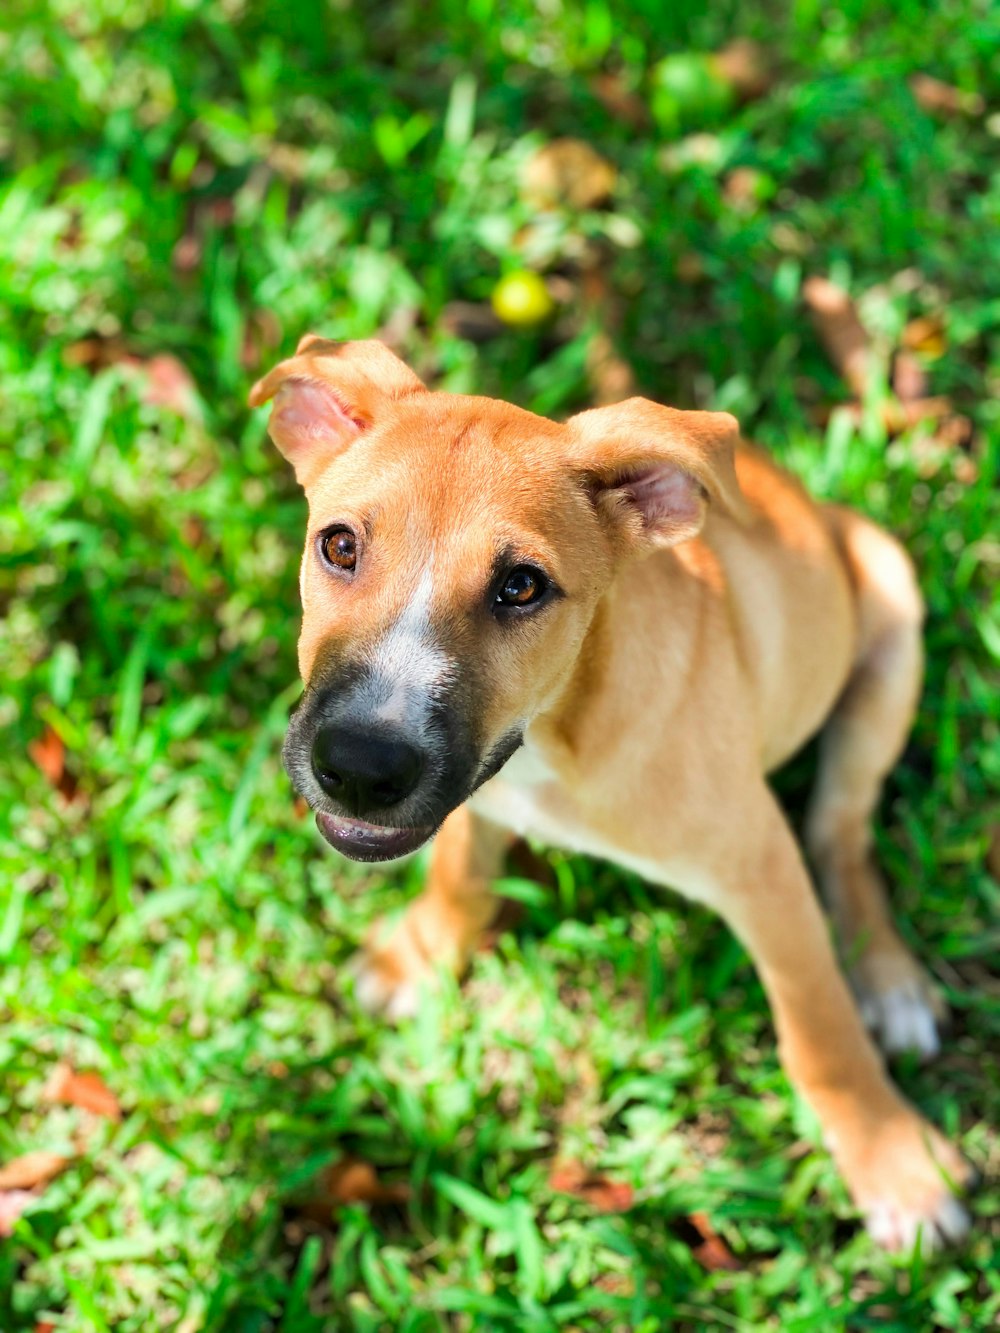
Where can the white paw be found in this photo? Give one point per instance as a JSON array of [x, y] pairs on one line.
[[379, 994], [899, 1229], [903, 1018]]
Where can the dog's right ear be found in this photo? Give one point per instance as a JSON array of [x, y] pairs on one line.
[[327, 394]]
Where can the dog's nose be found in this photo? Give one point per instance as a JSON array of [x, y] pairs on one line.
[[365, 771]]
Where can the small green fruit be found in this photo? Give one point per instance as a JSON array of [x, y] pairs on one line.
[[522, 299]]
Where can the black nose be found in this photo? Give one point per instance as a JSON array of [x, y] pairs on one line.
[[365, 771]]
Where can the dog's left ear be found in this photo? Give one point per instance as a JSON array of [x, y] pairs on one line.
[[327, 394], [653, 470]]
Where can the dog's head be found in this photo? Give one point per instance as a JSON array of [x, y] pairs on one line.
[[457, 551]]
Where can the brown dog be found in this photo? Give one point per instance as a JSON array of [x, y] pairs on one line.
[[604, 634]]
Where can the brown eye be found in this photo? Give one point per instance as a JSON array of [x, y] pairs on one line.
[[522, 586], [339, 548]]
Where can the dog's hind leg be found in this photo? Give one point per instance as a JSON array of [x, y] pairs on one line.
[[441, 927], [861, 742]]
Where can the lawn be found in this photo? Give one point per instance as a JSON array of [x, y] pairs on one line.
[[186, 186]]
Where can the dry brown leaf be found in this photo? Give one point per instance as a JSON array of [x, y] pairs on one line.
[[32, 1170], [65, 1087], [352, 1180], [12, 1205], [841, 332], [741, 189], [619, 101], [48, 753], [611, 377], [689, 268], [711, 1250], [568, 172], [96, 353], [261, 335], [192, 531], [744, 66], [925, 335], [909, 379], [601, 1192], [616, 1284], [942, 98], [168, 383], [187, 253], [897, 417], [955, 430]]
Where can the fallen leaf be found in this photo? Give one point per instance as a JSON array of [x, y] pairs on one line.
[[48, 753], [611, 377], [689, 268], [744, 66], [187, 253], [65, 1087], [568, 172], [32, 1170], [352, 1180], [167, 383], [711, 1250], [398, 328], [901, 416], [12, 1205], [909, 379], [602, 1193], [925, 335], [619, 101], [616, 1284], [841, 332], [939, 97], [262, 334], [96, 353], [746, 188], [221, 211]]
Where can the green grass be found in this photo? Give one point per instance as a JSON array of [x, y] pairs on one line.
[[177, 927]]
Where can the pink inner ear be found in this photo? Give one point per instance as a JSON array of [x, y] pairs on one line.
[[307, 413], [666, 497]]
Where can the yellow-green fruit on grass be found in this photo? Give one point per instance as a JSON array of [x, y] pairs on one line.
[[522, 299]]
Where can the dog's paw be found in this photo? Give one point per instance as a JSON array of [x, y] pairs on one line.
[[907, 1184], [379, 993], [900, 1005], [898, 1229], [392, 971]]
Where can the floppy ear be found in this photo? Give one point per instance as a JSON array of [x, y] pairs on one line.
[[653, 470], [327, 394]]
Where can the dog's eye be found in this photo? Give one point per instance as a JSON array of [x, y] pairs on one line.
[[339, 547], [522, 586]]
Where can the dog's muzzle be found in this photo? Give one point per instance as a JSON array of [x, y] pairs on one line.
[[382, 786]]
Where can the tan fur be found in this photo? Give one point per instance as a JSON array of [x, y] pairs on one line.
[[655, 696]]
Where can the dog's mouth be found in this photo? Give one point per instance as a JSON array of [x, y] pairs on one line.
[[362, 841]]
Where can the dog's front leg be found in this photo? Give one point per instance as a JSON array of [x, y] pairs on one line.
[[442, 926], [898, 1168]]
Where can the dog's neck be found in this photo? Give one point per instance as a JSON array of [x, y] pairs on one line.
[[641, 644]]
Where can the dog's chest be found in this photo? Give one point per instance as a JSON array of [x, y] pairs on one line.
[[528, 798]]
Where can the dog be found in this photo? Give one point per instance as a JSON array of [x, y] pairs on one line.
[[604, 634]]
